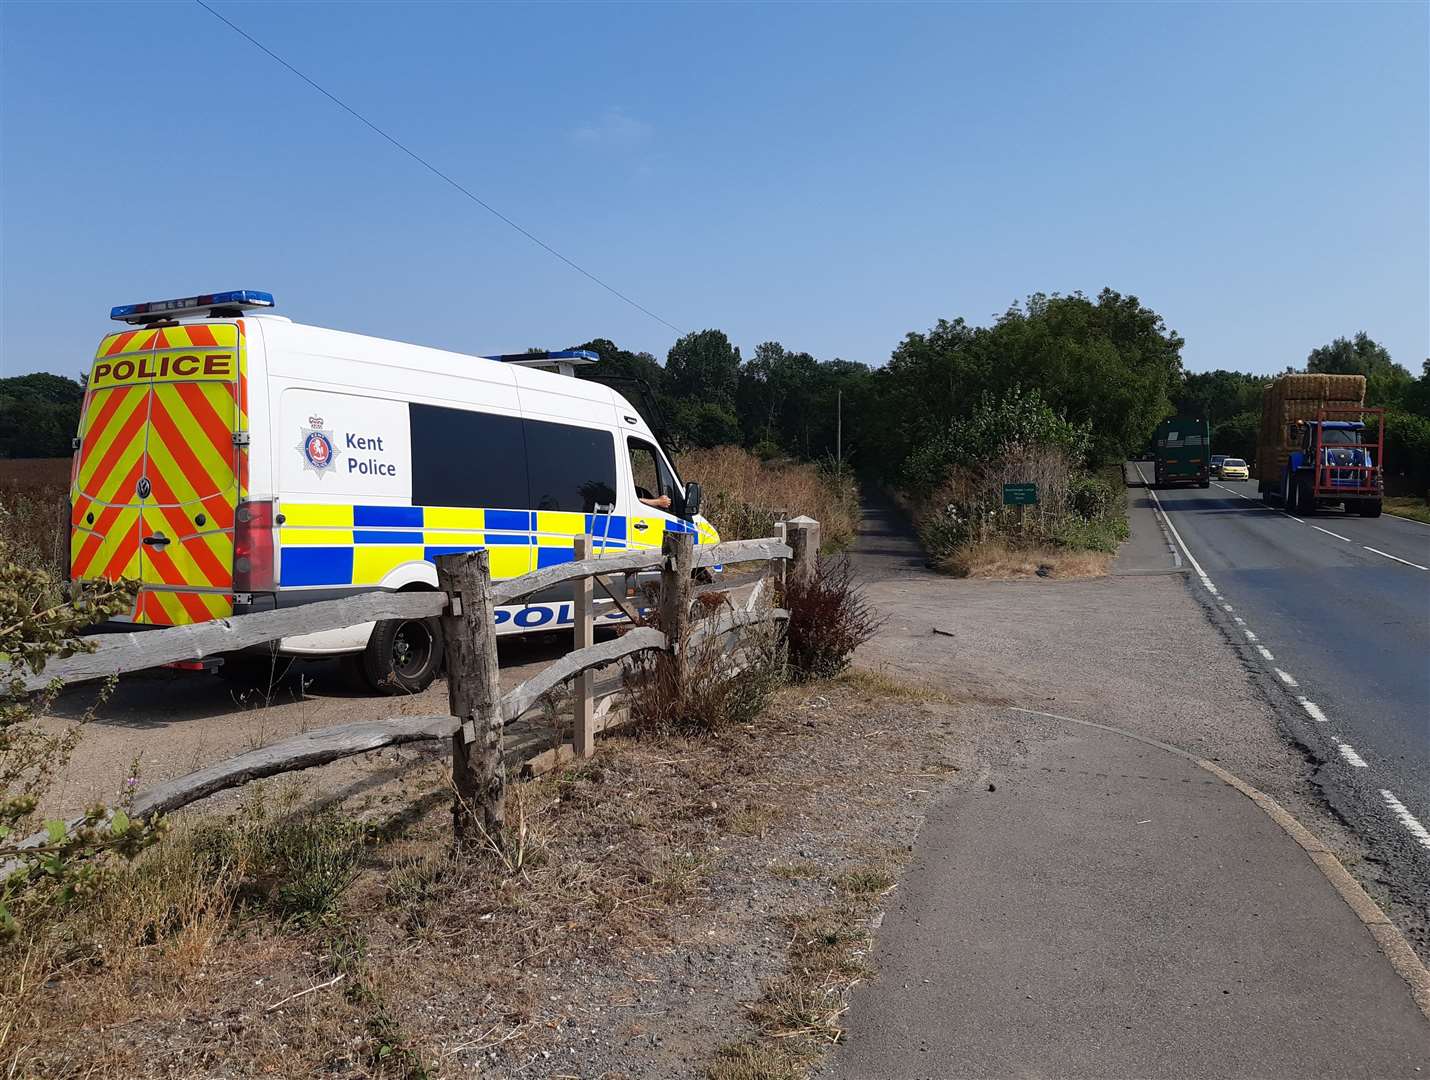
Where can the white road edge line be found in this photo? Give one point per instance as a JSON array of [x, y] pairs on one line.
[[1409, 820], [1352, 758], [1265, 653], [1328, 532], [1402, 517], [1177, 536], [1388, 555], [1313, 710], [1285, 677], [1250, 636]]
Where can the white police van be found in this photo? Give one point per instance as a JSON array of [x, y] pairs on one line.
[[234, 462]]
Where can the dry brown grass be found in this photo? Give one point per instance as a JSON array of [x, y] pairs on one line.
[[799, 1014], [34, 511], [187, 966], [878, 683], [992, 559], [745, 495], [599, 860]]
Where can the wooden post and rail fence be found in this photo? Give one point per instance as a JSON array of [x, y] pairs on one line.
[[465, 601]]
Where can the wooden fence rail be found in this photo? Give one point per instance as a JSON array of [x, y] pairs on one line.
[[479, 712], [117, 654]]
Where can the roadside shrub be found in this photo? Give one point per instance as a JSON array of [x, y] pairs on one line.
[[828, 619], [729, 681], [967, 508], [1091, 496], [1076, 510], [994, 431], [1407, 453]]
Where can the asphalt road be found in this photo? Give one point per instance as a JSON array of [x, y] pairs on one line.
[[1337, 607]]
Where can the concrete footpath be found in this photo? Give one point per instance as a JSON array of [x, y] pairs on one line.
[[1113, 910], [1096, 904]]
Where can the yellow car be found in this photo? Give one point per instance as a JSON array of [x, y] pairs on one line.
[[1233, 468]]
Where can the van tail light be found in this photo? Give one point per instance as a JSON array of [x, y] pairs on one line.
[[253, 547]]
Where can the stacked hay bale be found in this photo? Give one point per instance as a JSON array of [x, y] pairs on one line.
[[1289, 399]]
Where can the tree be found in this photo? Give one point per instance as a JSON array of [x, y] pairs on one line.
[[1111, 365], [1236, 436], [641, 366], [704, 368], [1220, 395], [39, 415], [1387, 383]]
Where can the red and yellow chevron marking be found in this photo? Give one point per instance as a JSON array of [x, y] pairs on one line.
[[163, 404], [165, 607], [104, 542]]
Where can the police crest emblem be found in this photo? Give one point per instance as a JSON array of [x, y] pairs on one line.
[[317, 446]]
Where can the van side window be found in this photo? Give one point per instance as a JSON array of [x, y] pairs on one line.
[[652, 479], [570, 468], [461, 457]]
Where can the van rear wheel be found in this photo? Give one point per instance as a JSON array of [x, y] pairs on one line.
[[403, 656]]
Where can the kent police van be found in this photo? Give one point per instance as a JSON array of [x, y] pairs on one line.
[[233, 462]]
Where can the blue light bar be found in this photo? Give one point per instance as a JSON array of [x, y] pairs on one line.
[[190, 305], [568, 354]]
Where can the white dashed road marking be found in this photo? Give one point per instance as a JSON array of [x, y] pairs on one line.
[[1397, 558], [1352, 758], [1348, 753], [1406, 818]]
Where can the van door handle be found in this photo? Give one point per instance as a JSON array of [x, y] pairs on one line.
[[157, 540], [642, 526]]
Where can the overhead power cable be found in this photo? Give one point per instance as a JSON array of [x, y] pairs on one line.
[[488, 207]]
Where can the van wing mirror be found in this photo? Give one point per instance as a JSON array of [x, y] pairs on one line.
[[692, 499]]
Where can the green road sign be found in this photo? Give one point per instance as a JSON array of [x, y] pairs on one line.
[[1020, 494]]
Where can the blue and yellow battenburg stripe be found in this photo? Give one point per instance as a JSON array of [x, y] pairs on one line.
[[335, 545]]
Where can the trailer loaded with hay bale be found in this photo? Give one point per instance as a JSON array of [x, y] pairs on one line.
[[1317, 448]]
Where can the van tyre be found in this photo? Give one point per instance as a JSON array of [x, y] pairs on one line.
[[1369, 508], [403, 656]]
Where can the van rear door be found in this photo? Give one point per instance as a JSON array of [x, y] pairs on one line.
[[161, 468]]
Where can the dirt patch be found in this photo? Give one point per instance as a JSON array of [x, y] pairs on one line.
[[999, 561], [643, 915]]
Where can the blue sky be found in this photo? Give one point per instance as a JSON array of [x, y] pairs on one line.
[[828, 176]]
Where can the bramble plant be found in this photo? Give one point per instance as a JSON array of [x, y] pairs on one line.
[[39, 623]]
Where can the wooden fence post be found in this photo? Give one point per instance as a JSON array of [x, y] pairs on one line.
[[583, 731], [474, 693], [803, 534], [778, 566], [675, 594]]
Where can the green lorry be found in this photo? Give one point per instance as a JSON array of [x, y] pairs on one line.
[[1182, 452]]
